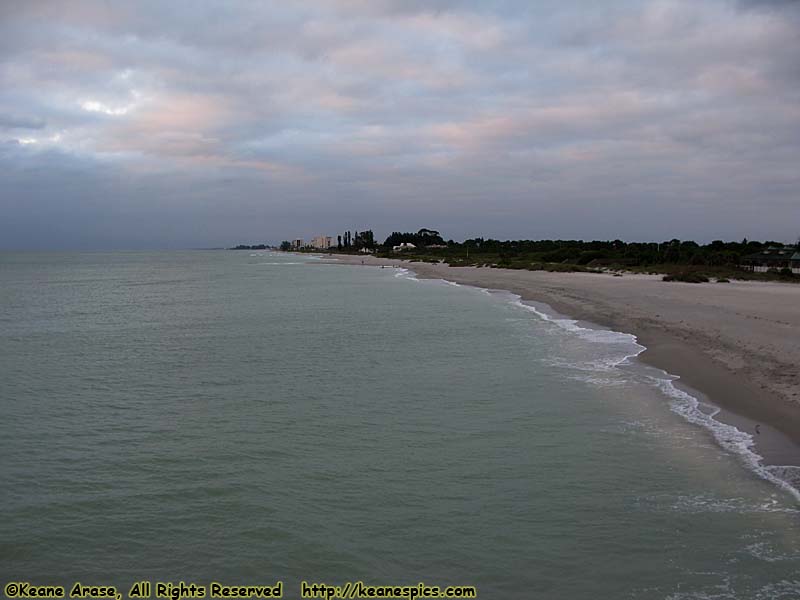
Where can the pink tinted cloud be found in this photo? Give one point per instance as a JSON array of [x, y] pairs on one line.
[[185, 131], [171, 125], [568, 117]]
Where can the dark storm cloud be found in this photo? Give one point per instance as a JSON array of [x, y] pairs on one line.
[[208, 123]]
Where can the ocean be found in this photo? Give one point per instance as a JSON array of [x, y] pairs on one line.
[[250, 417]]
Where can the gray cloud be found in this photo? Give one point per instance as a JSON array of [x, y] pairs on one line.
[[9, 121], [213, 123]]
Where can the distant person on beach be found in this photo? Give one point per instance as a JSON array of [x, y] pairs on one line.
[[758, 428]]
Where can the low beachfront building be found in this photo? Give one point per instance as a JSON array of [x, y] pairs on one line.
[[298, 244], [773, 258], [404, 246]]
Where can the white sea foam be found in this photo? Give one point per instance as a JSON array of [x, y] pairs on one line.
[[684, 404], [785, 589], [402, 273], [766, 552], [707, 503], [607, 364], [727, 436], [603, 336], [598, 380], [782, 590]]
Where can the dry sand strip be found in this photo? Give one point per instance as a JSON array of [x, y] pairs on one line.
[[737, 343]]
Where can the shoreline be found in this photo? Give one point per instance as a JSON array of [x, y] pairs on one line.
[[704, 361]]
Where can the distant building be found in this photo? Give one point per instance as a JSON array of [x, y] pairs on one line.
[[773, 257], [298, 243], [404, 246], [322, 242]]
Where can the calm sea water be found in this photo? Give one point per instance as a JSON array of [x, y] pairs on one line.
[[248, 417]]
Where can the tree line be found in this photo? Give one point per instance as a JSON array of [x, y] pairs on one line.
[[578, 252]]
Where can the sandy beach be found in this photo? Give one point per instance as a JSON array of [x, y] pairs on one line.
[[736, 343]]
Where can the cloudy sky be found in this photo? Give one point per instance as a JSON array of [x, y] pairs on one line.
[[155, 124]]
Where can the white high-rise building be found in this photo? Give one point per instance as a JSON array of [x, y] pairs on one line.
[[322, 242]]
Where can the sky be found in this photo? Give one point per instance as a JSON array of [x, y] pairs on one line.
[[151, 124]]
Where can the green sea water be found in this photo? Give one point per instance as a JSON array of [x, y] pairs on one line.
[[248, 417]]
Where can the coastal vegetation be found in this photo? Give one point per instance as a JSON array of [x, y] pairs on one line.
[[248, 247], [679, 260], [676, 260], [686, 277]]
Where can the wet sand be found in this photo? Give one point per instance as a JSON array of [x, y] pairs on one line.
[[737, 343]]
